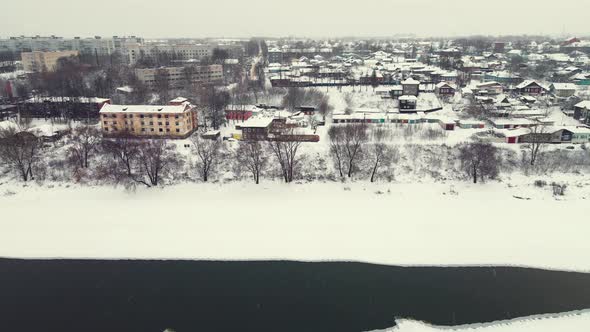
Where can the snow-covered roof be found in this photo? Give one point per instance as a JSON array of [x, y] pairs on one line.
[[408, 98], [486, 84], [257, 122], [442, 84], [68, 99], [179, 100], [564, 86], [526, 83], [410, 81], [108, 108], [504, 121], [126, 89], [583, 104], [513, 132]]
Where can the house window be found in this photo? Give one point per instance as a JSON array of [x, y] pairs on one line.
[[160, 130], [151, 129], [167, 123], [151, 123], [167, 130], [177, 130], [107, 129], [177, 123], [142, 129], [141, 116], [105, 123]]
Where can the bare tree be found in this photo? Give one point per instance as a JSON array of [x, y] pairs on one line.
[[294, 98], [208, 153], [286, 155], [479, 160], [324, 107], [215, 102], [355, 137], [380, 153], [162, 84], [252, 156], [337, 150], [85, 141], [125, 150], [20, 151], [156, 160], [536, 140]]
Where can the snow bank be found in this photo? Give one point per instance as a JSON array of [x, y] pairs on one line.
[[401, 224], [578, 321]]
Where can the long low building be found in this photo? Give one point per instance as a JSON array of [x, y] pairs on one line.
[[178, 77], [547, 134], [64, 107], [167, 121], [395, 118]]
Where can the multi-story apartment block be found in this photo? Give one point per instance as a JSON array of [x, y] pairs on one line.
[[177, 76], [169, 121], [94, 46], [38, 61], [31, 44]]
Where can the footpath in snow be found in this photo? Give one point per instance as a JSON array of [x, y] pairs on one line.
[[397, 224]]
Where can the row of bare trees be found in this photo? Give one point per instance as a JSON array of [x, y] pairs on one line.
[[353, 146], [121, 159]]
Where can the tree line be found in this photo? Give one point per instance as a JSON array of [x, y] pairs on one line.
[[355, 150]]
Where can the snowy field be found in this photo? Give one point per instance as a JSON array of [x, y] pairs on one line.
[[388, 223], [578, 321]]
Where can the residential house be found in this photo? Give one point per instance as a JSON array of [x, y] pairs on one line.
[[582, 111], [530, 87], [410, 87], [256, 129], [444, 89], [489, 88], [407, 102], [563, 90]]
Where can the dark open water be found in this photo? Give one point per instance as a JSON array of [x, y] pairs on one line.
[[107, 296]]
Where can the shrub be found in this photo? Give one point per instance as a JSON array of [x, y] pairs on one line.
[[540, 183], [558, 189]]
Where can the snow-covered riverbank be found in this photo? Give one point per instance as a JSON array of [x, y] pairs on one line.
[[402, 224], [578, 321]]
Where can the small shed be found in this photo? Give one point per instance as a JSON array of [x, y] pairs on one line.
[[211, 134]]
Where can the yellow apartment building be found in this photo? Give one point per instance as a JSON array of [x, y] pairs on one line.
[[38, 61], [150, 121]]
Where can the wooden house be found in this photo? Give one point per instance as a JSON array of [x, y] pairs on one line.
[[530, 87], [444, 89], [407, 102]]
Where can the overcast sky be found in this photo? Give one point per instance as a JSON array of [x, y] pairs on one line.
[[313, 18]]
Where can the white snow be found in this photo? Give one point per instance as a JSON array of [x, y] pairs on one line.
[[576, 321], [390, 223]]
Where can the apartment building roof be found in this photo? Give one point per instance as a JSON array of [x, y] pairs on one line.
[[108, 108]]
